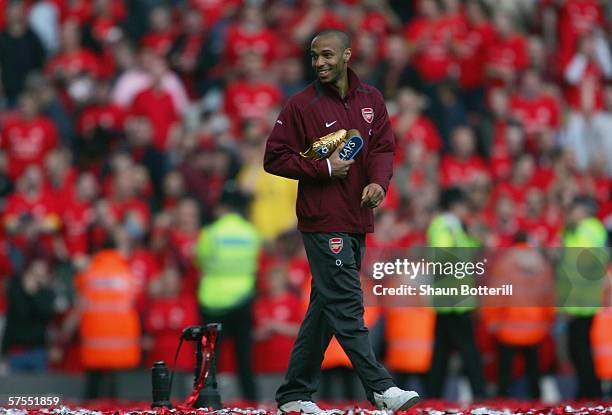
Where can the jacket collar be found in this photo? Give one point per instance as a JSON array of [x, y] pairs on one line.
[[353, 80]]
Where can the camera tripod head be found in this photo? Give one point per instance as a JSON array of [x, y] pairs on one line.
[[196, 333]]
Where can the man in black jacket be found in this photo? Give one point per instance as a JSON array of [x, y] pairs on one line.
[[30, 309], [21, 51]]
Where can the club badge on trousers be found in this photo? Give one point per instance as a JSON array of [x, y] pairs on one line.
[[335, 245]]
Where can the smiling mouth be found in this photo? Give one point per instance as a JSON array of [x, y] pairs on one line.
[[323, 72]]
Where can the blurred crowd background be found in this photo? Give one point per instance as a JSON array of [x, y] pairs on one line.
[[129, 126]]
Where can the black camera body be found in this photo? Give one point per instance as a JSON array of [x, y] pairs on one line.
[[196, 333], [162, 381]]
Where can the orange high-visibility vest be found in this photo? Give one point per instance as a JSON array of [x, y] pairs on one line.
[[519, 326], [334, 355], [601, 342], [409, 333], [525, 318], [109, 325]]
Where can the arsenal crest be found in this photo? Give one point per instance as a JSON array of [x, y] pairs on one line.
[[336, 244], [367, 114]]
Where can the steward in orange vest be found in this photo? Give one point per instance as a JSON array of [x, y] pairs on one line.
[[520, 323], [601, 338], [109, 327], [409, 335], [601, 334]]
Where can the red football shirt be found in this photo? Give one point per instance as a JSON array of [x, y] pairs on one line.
[[589, 88], [65, 189], [183, 246], [576, 19], [27, 142], [422, 131], [120, 208], [474, 42], [503, 233], [376, 22], [327, 20], [159, 42], [144, 267], [79, 10], [456, 172], [539, 231], [271, 355], [77, 217], [213, 10], [239, 42], [82, 61], [299, 271], [536, 114], [6, 266], [164, 321], [42, 208], [507, 53], [109, 117], [514, 191], [158, 107], [501, 159], [247, 100], [433, 61]]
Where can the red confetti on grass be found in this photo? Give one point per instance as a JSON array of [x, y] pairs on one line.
[[431, 407]]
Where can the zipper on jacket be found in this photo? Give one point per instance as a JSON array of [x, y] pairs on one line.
[[345, 105]]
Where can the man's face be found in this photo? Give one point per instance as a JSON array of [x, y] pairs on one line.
[[461, 210], [576, 214], [87, 187], [15, 13], [32, 178], [28, 107], [329, 57], [463, 142], [503, 24], [531, 84]]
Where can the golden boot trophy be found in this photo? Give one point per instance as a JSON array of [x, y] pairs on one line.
[[325, 146]]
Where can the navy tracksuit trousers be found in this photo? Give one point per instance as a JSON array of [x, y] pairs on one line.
[[335, 309]]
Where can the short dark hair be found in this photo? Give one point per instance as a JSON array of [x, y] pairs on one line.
[[232, 198], [452, 196], [587, 202], [344, 37]]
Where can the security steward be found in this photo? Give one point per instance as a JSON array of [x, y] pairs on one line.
[[227, 254], [580, 278], [454, 323]]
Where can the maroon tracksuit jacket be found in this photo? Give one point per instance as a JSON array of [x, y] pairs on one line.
[[325, 204]]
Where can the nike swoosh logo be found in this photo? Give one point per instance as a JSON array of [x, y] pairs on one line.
[[329, 124]]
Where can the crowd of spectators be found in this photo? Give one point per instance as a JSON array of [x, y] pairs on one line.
[[127, 119]]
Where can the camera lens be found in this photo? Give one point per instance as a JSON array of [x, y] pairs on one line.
[[160, 381]]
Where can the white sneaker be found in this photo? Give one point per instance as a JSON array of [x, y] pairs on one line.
[[302, 407], [396, 399]]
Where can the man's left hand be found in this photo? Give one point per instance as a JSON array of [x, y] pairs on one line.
[[372, 196]]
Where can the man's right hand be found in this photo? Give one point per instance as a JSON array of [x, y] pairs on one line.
[[339, 167]]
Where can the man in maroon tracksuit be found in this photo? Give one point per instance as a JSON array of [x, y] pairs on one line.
[[334, 210]]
